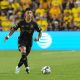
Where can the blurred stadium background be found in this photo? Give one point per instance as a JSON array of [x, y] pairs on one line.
[[60, 22], [55, 15]]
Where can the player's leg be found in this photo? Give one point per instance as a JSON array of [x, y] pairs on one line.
[[22, 49], [23, 55], [26, 60]]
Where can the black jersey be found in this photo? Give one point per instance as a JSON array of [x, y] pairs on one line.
[[27, 30]]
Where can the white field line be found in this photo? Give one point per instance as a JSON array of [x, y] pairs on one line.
[[54, 52]]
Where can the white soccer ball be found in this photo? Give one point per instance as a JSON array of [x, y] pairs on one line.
[[46, 70]]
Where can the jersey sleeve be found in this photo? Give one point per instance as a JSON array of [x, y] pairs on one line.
[[16, 26], [37, 28]]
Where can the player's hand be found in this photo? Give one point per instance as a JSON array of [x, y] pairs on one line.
[[6, 38], [36, 39]]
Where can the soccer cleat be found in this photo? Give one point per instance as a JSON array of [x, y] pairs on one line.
[[17, 70], [28, 70]]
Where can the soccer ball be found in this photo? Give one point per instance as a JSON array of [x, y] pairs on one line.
[[46, 70]]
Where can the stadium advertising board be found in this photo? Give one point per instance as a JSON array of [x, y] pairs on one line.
[[49, 41]]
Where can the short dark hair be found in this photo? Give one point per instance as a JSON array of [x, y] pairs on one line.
[[28, 9], [23, 12]]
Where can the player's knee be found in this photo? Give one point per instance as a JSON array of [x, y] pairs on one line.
[[23, 49]]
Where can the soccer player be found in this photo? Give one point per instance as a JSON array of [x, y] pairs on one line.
[[27, 27]]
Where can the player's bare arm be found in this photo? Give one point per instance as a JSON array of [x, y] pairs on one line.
[[12, 30], [39, 36]]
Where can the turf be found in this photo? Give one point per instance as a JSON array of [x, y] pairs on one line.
[[65, 65]]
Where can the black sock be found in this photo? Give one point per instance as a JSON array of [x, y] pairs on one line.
[[21, 61], [25, 62]]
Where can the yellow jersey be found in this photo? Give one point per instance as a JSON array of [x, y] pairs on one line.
[[77, 21], [4, 4], [40, 12], [43, 24]]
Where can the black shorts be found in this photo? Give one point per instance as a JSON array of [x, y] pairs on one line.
[[25, 44]]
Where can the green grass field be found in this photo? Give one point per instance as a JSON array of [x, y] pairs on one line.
[[65, 65]]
